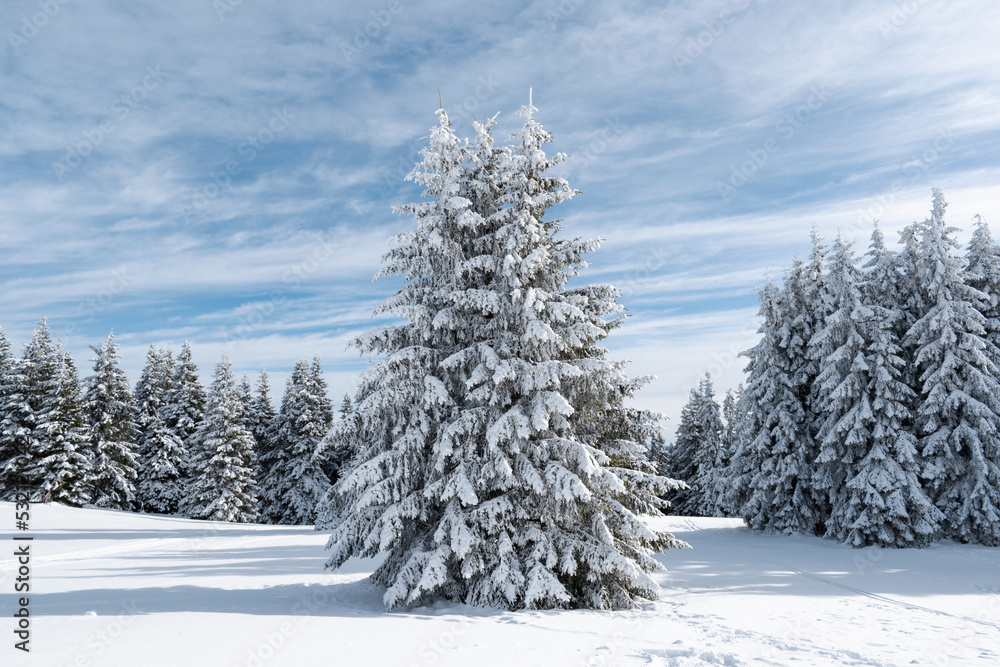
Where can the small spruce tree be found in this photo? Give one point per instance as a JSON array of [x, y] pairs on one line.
[[111, 430], [224, 488], [161, 454], [958, 414]]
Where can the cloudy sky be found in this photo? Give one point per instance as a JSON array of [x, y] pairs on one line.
[[223, 171]]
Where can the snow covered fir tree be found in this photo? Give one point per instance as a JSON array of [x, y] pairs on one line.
[[294, 481], [958, 399], [111, 431], [223, 486], [478, 474], [698, 454], [184, 403], [160, 451]]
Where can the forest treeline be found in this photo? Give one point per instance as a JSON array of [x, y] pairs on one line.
[[871, 411]]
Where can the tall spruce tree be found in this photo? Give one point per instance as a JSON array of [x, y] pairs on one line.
[[246, 399], [297, 482], [681, 454], [752, 446], [339, 447], [111, 430], [150, 389], [958, 414], [11, 383], [162, 456], [883, 281], [732, 417], [183, 415], [983, 273], [710, 457], [185, 403], [472, 479], [62, 461], [225, 488], [808, 296], [262, 422], [781, 497], [836, 347], [319, 393], [15, 423], [910, 299]]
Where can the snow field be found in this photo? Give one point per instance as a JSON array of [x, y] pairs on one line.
[[117, 589]]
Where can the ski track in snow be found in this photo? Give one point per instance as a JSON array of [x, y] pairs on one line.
[[217, 594]]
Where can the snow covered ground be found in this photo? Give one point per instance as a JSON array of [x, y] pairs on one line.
[[118, 589]]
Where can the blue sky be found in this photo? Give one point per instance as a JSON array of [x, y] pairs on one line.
[[223, 172]]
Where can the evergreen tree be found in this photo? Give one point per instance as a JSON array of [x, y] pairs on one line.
[[681, 454], [322, 406], [710, 458], [808, 297], [6, 359], [836, 347], [62, 461], [246, 399], [11, 384], [346, 406], [297, 483], [161, 454], [983, 273], [883, 284], [272, 460], [776, 448], [339, 447], [910, 300], [185, 404], [733, 417], [111, 430], [262, 422], [224, 488], [15, 422], [7, 365], [911, 297], [658, 456], [151, 388], [958, 417], [161, 484], [183, 415], [752, 438], [471, 477]]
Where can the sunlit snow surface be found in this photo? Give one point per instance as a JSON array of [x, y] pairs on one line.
[[118, 589]]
